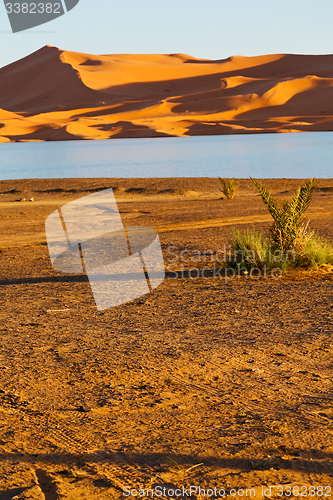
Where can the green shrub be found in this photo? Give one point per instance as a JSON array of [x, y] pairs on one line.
[[251, 249], [289, 243], [317, 252], [229, 188], [290, 230]]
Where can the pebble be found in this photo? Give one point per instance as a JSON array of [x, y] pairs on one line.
[[84, 409]]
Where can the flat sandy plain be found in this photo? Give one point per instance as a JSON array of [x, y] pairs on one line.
[[201, 382]]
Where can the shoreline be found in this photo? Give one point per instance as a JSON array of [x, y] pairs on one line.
[[91, 139]]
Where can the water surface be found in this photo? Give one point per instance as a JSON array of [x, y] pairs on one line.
[[293, 155]]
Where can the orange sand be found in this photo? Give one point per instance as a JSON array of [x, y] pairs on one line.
[[60, 95]]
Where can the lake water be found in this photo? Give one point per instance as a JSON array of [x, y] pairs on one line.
[[294, 155]]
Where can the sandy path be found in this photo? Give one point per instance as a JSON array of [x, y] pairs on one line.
[[18, 238]]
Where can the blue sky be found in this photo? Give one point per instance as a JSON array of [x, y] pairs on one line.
[[210, 29]]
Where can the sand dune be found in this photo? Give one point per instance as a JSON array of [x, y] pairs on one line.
[[59, 95]]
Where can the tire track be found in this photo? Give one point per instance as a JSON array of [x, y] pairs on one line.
[[62, 435], [120, 474]]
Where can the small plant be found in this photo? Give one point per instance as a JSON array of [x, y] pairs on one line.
[[248, 248], [288, 243], [251, 249], [180, 469], [173, 462], [229, 188], [317, 252], [290, 230]]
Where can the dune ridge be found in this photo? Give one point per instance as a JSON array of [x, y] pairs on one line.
[[54, 94]]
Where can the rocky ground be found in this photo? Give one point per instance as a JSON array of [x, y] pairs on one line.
[[205, 382]]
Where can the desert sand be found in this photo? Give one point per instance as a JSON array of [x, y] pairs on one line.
[[54, 94], [203, 382]]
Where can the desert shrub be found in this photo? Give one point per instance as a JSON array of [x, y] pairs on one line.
[[229, 188], [317, 252], [289, 230], [251, 249], [288, 243]]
